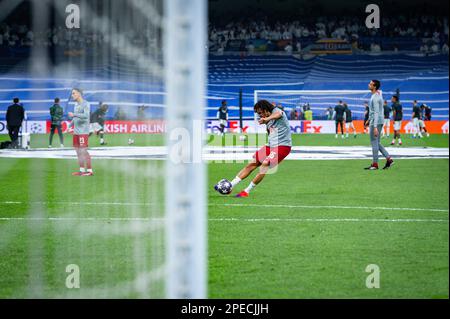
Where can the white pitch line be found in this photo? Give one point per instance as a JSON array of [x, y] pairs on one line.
[[234, 205], [406, 220], [320, 220], [333, 207]]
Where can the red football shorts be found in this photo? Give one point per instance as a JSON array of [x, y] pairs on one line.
[[274, 155], [80, 141]]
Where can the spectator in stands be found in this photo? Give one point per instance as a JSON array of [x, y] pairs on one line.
[[445, 49], [14, 118], [424, 48], [289, 49], [375, 48], [435, 48]]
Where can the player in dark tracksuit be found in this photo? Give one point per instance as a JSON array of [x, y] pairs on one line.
[[397, 111], [349, 121], [387, 120], [14, 118], [222, 116], [422, 126], [416, 116], [97, 125], [56, 114], [339, 111], [427, 112]]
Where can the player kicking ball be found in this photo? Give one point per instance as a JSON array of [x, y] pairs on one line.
[[280, 143], [80, 122]]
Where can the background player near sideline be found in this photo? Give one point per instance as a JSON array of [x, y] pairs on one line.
[[80, 122], [98, 122], [427, 112], [417, 113], [14, 118], [376, 125], [339, 117], [349, 121], [222, 116], [269, 156], [397, 111], [422, 126], [56, 114], [366, 117], [387, 119]]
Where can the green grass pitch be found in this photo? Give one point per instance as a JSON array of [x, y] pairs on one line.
[[308, 231], [435, 140]]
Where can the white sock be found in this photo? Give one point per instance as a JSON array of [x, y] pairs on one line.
[[102, 140], [400, 141], [236, 181], [250, 187], [89, 170], [82, 169]]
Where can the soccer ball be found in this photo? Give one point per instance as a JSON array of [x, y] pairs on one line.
[[224, 187], [130, 141]]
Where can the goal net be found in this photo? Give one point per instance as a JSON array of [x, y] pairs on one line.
[[137, 227]]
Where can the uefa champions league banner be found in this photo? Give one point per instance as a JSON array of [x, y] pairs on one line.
[[32, 127]]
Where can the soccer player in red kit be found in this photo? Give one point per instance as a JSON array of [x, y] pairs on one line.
[[81, 122], [280, 143]]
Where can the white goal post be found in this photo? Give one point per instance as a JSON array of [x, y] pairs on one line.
[[186, 232]]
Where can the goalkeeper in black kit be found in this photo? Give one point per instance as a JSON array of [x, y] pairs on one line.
[[98, 122]]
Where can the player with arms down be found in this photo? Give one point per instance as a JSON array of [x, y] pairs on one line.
[[269, 156], [397, 110], [80, 123]]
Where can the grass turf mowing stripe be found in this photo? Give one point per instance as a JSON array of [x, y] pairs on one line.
[[405, 220], [238, 205]]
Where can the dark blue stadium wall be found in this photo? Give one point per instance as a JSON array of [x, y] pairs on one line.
[[422, 78]]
